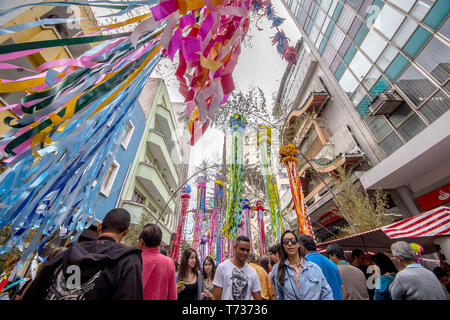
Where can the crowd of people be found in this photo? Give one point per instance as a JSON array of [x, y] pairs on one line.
[[294, 270]]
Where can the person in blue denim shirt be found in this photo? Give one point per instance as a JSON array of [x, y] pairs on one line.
[[298, 278]]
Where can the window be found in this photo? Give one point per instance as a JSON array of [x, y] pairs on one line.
[[397, 66], [320, 18], [344, 47], [329, 30], [400, 114], [371, 78], [350, 54], [421, 9], [391, 143], [445, 29], [360, 65], [346, 19], [411, 127], [110, 176], [437, 14], [363, 106], [314, 34], [405, 32], [436, 106], [372, 10], [361, 34], [337, 12], [403, 4], [340, 71], [415, 85], [435, 58], [388, 21], [336, 38], [325, 5], [355, 4], [335, 63], [358, 95], [373, 45], [319, 41], [379, 87], [416, 42], [138, 197], [386, 58], [328, 54], [354, 28], [348, 83], [128, 134], [333, 6], [378, 126], [322, 45]]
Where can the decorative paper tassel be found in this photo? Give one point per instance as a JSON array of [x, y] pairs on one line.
[[264, 143], [235, 185], [288, 153], [200, 212], [262, 233], [176, 245]]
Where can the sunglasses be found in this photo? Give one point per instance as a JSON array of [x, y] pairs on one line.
[[286, 241]]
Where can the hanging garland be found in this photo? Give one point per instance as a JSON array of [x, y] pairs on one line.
[[264, 142], [288, 153], [214, 235], [177, 241], [262, 233], [236, 179], [200, 212]]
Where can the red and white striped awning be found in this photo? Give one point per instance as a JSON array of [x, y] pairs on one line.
[[435, 222], [420, 229]]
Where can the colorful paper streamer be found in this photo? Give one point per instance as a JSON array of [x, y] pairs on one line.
[[264, 142], [288, 153]]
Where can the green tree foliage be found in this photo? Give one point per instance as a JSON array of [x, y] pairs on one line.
[[362, 211], [135, 229]]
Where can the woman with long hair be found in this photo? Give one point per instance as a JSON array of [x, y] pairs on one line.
[[296, 277], [208, 272], [189, 277], [388, 272]]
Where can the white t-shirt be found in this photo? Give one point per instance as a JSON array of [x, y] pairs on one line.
[[236, 284]]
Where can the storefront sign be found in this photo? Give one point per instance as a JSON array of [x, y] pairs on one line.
[[434, 198]]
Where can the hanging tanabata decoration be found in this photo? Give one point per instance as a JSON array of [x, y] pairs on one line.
[[262, 233], [203, 241], [200, 212], [236, 179], [288, 156], [246, 227], [49, 182], [215, 238], [177, 240], [264, 142]]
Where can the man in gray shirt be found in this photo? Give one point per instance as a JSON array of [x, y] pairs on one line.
[[414, 282], [355, 284]]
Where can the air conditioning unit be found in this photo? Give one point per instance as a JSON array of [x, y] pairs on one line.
[[385, 103]]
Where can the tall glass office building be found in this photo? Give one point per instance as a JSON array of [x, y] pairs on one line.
[[387, 66], [378, 46]]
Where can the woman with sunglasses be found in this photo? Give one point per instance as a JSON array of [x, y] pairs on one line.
[[298, 278]]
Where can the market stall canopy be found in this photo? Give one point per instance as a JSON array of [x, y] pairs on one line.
[[420, 229]]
